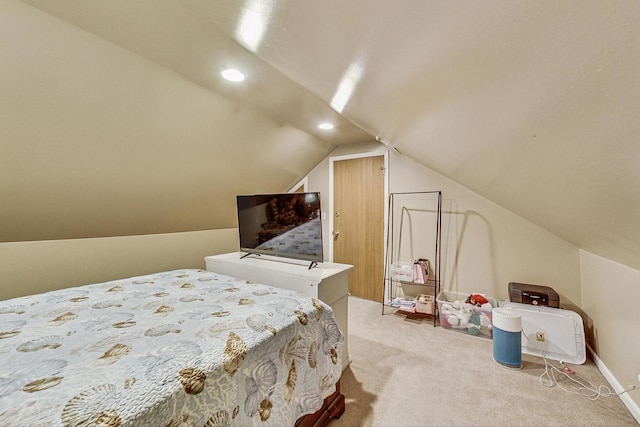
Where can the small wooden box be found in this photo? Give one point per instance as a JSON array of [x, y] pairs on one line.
[[525, 293]]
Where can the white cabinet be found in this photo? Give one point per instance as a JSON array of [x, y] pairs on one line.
[[329, 282]]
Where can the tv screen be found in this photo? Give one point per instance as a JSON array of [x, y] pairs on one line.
[[286, 225]]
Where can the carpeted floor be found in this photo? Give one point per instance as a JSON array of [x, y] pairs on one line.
[[404, 372]]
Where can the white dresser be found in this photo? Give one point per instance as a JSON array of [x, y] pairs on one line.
[[329, 282]]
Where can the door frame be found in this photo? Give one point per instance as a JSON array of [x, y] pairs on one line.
[[304, 182], [385, 155]]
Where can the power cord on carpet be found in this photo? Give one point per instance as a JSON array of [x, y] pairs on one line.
[[584, 387]]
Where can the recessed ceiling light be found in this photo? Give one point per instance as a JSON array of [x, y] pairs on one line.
[[325, 126], [233, 75]]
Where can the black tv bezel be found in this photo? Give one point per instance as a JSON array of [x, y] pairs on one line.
[[314, 259]]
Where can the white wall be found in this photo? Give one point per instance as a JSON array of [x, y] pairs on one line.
[[485, 246], [611, 295], [39, 266]]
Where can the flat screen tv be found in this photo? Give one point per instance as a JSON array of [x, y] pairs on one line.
[[286, 225]]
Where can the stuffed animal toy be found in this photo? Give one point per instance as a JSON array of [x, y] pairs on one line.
[[476, 299], [464, 315], [457, 314]]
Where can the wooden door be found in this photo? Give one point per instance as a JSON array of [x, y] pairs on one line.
[[358, 223]]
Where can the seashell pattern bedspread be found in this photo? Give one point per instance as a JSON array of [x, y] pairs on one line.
[[184, 347], [303, 239]]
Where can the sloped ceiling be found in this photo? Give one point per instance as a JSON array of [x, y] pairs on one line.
[[532, 104]]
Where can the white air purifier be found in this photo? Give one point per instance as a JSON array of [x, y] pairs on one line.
[[507, 337]]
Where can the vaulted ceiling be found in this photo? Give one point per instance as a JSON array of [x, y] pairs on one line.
[[531, 104]]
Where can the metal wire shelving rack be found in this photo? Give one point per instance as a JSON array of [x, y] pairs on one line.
[[394, 288]]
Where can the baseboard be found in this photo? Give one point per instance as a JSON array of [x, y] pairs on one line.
[[617, 387]]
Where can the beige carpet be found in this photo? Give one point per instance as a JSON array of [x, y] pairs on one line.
[[405, 372]]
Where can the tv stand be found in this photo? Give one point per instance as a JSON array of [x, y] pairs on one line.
[[328, 282]]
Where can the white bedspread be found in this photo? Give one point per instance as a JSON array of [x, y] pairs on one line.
[[304, 239], [185, 347]]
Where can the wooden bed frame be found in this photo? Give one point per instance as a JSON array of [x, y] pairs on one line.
[[333, 407]]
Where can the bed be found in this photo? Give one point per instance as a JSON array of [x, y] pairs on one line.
[[183, 347]]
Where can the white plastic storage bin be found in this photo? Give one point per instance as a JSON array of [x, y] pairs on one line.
[[457, 315], [402, 271]]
